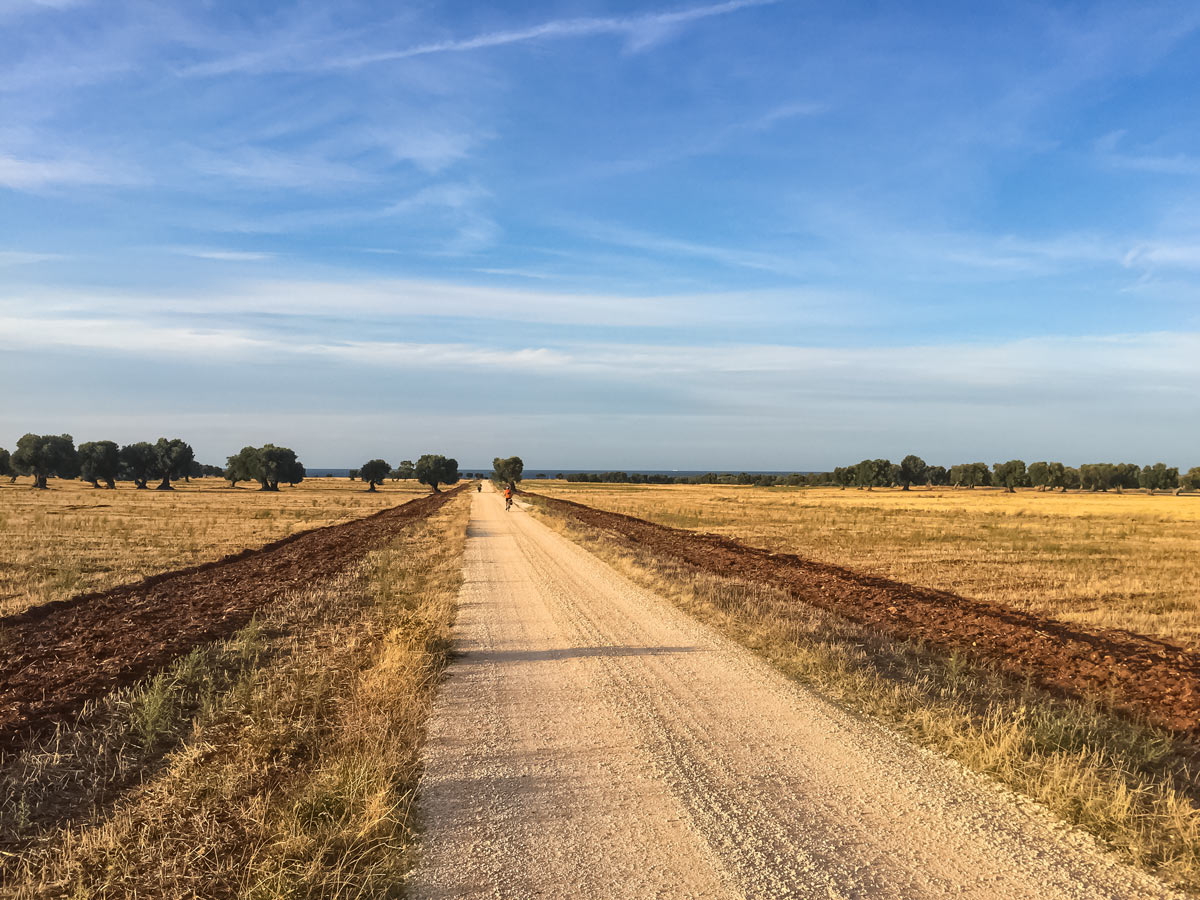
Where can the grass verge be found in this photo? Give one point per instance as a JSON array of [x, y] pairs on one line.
[[282, 763], [1135, 787]]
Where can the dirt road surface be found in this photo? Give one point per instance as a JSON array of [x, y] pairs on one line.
[[591, 741]]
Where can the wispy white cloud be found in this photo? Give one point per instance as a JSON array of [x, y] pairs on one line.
[[1110, 152], [1184, 255], [38, 174], [24, 257], [760, 375], [14, 8], [222, 255], [640, 31], [399, 298], [655, 243], [281, 170]]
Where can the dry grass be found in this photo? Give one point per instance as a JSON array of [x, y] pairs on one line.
[[281, 763], [1133, 787], [74, 538], [1111, 560]]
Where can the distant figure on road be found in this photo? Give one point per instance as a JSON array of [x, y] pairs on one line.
[[479, 487], [508, 498]]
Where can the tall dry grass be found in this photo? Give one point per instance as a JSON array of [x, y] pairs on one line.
[[1110, 560], [74, 538], [282, 763]]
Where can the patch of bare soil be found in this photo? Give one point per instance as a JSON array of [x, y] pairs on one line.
[[1139, 675], [56, 657]]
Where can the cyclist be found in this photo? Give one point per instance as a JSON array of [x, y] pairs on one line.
[[508, 498]]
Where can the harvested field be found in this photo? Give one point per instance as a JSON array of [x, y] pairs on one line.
[[281, 762], [62, 654], [1147, 678], [1101, 560], [75, 538]]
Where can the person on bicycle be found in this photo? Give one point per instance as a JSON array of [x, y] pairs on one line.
[[508, 491]]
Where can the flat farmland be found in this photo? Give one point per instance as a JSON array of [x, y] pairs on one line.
[[74, 538], [1108, 560]]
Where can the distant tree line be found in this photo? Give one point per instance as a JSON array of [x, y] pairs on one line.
[[912, 470], [103, 463], [432, 469]]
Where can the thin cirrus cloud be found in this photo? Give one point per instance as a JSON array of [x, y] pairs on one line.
[[314, 52], [221, 255], [36, 174], [1156, 365], [641, 31]]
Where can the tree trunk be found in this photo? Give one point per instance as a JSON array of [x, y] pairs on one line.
[[371, 487], [110, 484], [166, 484], [95, 483], [39, 482], [139, 483]]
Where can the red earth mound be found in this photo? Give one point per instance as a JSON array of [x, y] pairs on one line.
[[1133, 673], [58, 656]]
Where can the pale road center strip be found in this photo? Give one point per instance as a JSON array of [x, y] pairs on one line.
[[591, 741]]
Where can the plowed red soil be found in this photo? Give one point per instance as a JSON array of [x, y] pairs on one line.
[[56, 657], [1148, 678]]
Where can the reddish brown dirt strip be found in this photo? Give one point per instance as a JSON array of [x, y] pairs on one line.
[[56, 657], [1133, 673]]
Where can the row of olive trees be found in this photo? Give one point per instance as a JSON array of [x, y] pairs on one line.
[[1015, 473], [431, 469], [44, 456]]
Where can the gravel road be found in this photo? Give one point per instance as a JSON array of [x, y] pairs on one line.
[[591, 741]]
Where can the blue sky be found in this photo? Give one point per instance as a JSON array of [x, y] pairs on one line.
[[764, 235]]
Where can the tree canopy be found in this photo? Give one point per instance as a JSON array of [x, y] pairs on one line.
[[434, 469], [6, 464], [373, 472], [138, 462], [508, 470], [46, 455], [172, 460], [268, 465], [913, 470], [100, 461], [406, 469]]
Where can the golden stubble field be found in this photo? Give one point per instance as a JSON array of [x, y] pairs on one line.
[[74, 538], [1114, 560]]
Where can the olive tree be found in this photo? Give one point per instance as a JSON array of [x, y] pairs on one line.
[[913, 470], [275, 465], [100, 461], [46, 455], [172, 460], [241, 466], [406, 469], [509, 470], [1190, 481], [6, 465], [434, 469], [1159, 477], [138, 462], [1010, 475], [374, 472]]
